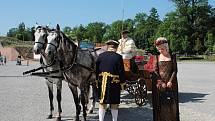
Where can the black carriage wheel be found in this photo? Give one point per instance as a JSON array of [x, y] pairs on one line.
[[132, 88], [141, 92]]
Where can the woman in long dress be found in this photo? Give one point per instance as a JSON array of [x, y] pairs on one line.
[[165, 85]]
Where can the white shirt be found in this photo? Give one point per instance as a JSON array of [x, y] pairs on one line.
[[126, 48]]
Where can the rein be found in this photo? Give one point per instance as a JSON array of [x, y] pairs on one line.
[[46, 74], [42, 67], [74, 62], [62, 69]]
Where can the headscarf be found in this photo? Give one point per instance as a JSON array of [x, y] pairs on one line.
[[162, 41]]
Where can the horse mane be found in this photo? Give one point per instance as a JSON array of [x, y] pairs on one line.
[[68, 42]]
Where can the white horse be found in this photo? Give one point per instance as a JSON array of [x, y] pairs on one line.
[[40, 43]]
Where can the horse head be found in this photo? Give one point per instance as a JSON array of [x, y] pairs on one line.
[[40, 37], [59, 44], [53, 41]]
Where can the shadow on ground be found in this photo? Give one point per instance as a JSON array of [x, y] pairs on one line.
[[128, 114], [185, 97], [129, 111]]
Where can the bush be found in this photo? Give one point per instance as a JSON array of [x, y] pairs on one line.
[[210, 58], [191, 58]]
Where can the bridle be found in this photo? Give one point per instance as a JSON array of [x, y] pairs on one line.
[[73, 62], [57, 39], [44, 37], [62, 68]]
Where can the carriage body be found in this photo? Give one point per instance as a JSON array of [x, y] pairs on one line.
[[140, 82]]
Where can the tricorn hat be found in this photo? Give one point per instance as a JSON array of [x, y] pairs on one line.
[[125, 32], [112, 42]]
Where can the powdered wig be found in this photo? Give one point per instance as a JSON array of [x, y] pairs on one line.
[[162, 41]]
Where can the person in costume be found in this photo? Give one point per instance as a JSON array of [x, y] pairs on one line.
[[110, 79], [165, 85]]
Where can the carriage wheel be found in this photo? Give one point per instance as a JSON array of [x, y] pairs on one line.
[[131, 89], [141, 92]]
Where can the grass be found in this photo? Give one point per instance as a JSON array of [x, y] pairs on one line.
[[199, 58], [13, 42]]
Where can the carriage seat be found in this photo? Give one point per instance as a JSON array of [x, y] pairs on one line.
[[131, 69]]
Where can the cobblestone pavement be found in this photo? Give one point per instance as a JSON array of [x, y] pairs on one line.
[[26, 98]]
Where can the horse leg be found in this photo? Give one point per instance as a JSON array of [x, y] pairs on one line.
[[76, 100], [59, 89], [94, 99], [84, 103], [50, 89], [85, 98]]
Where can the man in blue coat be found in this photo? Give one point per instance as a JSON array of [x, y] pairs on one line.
[[111, 79]]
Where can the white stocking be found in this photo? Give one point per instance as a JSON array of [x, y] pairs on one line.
[[101, 114], [114, 114]]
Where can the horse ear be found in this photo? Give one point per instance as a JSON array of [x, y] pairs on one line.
[[58, 27], [47, 26]]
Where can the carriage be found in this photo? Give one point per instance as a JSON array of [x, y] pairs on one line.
[[139, 82], [66, 48]]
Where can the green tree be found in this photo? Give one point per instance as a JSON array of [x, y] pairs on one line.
[[21, 33], [95, 31], [12, 32], [140, 31], [196, 15], [173, 29], [113, 30], [68, 32], [209, 42], [151, 25], [78, 33]]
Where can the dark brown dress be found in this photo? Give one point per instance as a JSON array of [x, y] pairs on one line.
[[165, 101]]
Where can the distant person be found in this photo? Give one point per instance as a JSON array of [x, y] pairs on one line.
[[165, 84], [27, 62], [1, 60], [18, 60], [4, 60]]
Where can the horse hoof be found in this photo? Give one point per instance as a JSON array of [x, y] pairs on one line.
[[77, 119], [49, 117], [58, 119]]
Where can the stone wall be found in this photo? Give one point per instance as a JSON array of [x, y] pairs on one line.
[[10, 53]]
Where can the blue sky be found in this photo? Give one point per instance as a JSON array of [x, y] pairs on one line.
[[75, 12]]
